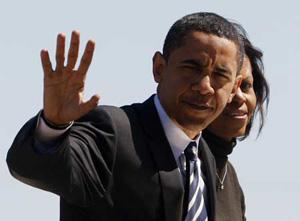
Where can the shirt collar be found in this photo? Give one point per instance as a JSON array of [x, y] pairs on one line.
[[178, 140]]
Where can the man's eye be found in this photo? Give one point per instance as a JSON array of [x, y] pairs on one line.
[[221, 74], [190, 67], [194, 70]]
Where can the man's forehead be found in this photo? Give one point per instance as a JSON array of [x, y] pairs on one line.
[[207, 46], [207, 39]]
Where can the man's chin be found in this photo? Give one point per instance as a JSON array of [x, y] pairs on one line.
[[195, 124]]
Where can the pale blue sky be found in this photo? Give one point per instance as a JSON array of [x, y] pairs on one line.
[[127, 34]]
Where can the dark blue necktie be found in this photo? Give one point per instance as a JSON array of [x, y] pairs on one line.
[[196, 210]]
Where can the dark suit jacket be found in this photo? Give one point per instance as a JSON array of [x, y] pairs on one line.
[[112, 164]]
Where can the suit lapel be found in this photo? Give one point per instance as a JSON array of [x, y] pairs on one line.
[[209, 167], [170, 177]]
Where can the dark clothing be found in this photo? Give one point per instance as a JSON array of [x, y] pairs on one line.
[[230, 204], [112, 164]]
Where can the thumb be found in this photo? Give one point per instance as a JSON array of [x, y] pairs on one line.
[[90, 104]]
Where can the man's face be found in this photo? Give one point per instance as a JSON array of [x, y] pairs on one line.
[[197, 81]]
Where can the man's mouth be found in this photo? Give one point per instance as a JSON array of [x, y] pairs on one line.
[[200, 106]]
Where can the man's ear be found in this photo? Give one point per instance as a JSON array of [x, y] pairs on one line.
[[158, 66], [236, 85]]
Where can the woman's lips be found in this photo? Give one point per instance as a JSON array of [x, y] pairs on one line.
[[238, 114]]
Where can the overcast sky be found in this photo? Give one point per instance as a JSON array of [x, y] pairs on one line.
[[127, 33]]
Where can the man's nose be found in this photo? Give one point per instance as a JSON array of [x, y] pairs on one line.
[[203, 85]]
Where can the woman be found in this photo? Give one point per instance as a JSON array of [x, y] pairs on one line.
[[236, 122]]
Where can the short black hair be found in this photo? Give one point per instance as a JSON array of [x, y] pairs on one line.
[[206, 22], [260, 84]]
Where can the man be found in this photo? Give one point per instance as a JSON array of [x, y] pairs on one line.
[[135, 162]]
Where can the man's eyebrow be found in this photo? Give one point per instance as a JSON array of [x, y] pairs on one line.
[[194, 62]]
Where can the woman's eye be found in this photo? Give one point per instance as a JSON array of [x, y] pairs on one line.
[[246, 86]]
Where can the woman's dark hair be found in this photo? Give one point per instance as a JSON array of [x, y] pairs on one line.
[[260, 84]]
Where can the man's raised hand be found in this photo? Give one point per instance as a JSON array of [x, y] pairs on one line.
[[64, 86]]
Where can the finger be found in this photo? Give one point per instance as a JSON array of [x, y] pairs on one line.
[[60, 52], [73, 51], [46, 63], [90, 104], [86, 58]]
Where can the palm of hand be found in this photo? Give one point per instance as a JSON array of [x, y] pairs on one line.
[[64, 87]]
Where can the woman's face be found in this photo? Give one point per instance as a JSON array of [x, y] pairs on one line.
[[232, 122]]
